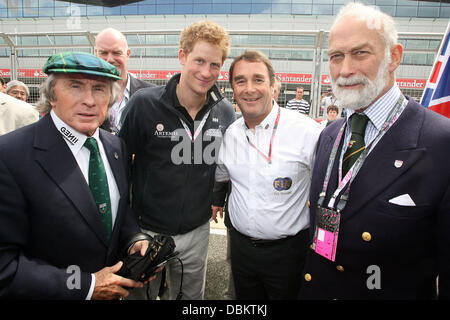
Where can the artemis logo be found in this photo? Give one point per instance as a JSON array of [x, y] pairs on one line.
[[160, 133]]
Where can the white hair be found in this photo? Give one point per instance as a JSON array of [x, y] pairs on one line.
[[17, 83], [375, 19]]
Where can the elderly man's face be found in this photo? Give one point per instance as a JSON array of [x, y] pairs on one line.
[[18, 92], [81, 101], [113, 49], [361, 68]]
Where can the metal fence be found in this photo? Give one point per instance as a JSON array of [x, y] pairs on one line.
[[299, 58]]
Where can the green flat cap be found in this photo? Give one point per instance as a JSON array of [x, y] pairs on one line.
[[80, 62]]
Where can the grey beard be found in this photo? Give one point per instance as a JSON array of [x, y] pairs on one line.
[[357, 99]]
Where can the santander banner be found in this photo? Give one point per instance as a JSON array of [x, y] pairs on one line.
[[403, 83], [301, 78]]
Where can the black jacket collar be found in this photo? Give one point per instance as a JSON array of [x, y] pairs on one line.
[[213, 96]]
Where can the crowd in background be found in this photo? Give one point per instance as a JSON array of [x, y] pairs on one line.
[[312, 207]]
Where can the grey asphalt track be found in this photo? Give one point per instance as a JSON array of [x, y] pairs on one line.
[[217, 271]]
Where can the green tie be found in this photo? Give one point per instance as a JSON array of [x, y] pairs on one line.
[[98, 183], [357, 144]]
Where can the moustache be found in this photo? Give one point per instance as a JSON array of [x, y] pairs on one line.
[[358, 79]]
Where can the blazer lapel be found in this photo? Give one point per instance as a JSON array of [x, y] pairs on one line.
[[394, 155], [54, 156]]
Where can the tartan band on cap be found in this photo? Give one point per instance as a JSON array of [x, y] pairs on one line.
[[80, 62]]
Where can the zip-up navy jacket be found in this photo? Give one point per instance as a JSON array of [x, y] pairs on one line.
[[172, 177]]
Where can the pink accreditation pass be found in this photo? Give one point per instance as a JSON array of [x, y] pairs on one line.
[[326, 232]]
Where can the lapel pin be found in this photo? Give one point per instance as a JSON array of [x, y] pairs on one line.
[[116, 155], [350, 144], [398, 163]]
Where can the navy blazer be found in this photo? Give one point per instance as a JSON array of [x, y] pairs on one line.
[[385, 250], [48, 218]]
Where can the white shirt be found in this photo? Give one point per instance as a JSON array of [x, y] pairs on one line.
[[259, 206], [115, 113], [328, 101], [81, 155]]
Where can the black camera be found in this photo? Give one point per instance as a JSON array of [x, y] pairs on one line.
[[161, 249]]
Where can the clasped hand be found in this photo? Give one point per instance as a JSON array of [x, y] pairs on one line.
[[109, 285]]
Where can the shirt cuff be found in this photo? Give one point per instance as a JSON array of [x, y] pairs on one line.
[[91, 289]]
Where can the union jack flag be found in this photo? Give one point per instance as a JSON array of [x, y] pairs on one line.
[[436, 95]]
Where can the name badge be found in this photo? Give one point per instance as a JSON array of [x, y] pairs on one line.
[[326, 232]]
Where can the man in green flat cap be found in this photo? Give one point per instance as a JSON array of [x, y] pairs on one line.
[[64, 211]]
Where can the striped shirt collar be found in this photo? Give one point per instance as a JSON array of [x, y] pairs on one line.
[[379, 110]]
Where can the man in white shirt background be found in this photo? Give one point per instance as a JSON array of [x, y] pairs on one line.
[[330, 99], [15, 113], [267, 155], [111, 45]]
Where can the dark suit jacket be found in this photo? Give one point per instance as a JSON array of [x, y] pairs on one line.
[[48, 218], [135, 85], [409, 245]]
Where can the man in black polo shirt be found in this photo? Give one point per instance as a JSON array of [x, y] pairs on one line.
[[175, 131]]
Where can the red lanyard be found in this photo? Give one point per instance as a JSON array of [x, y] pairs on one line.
[[275, 126]]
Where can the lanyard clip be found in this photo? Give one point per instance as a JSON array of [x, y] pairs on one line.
[[321, 199]]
